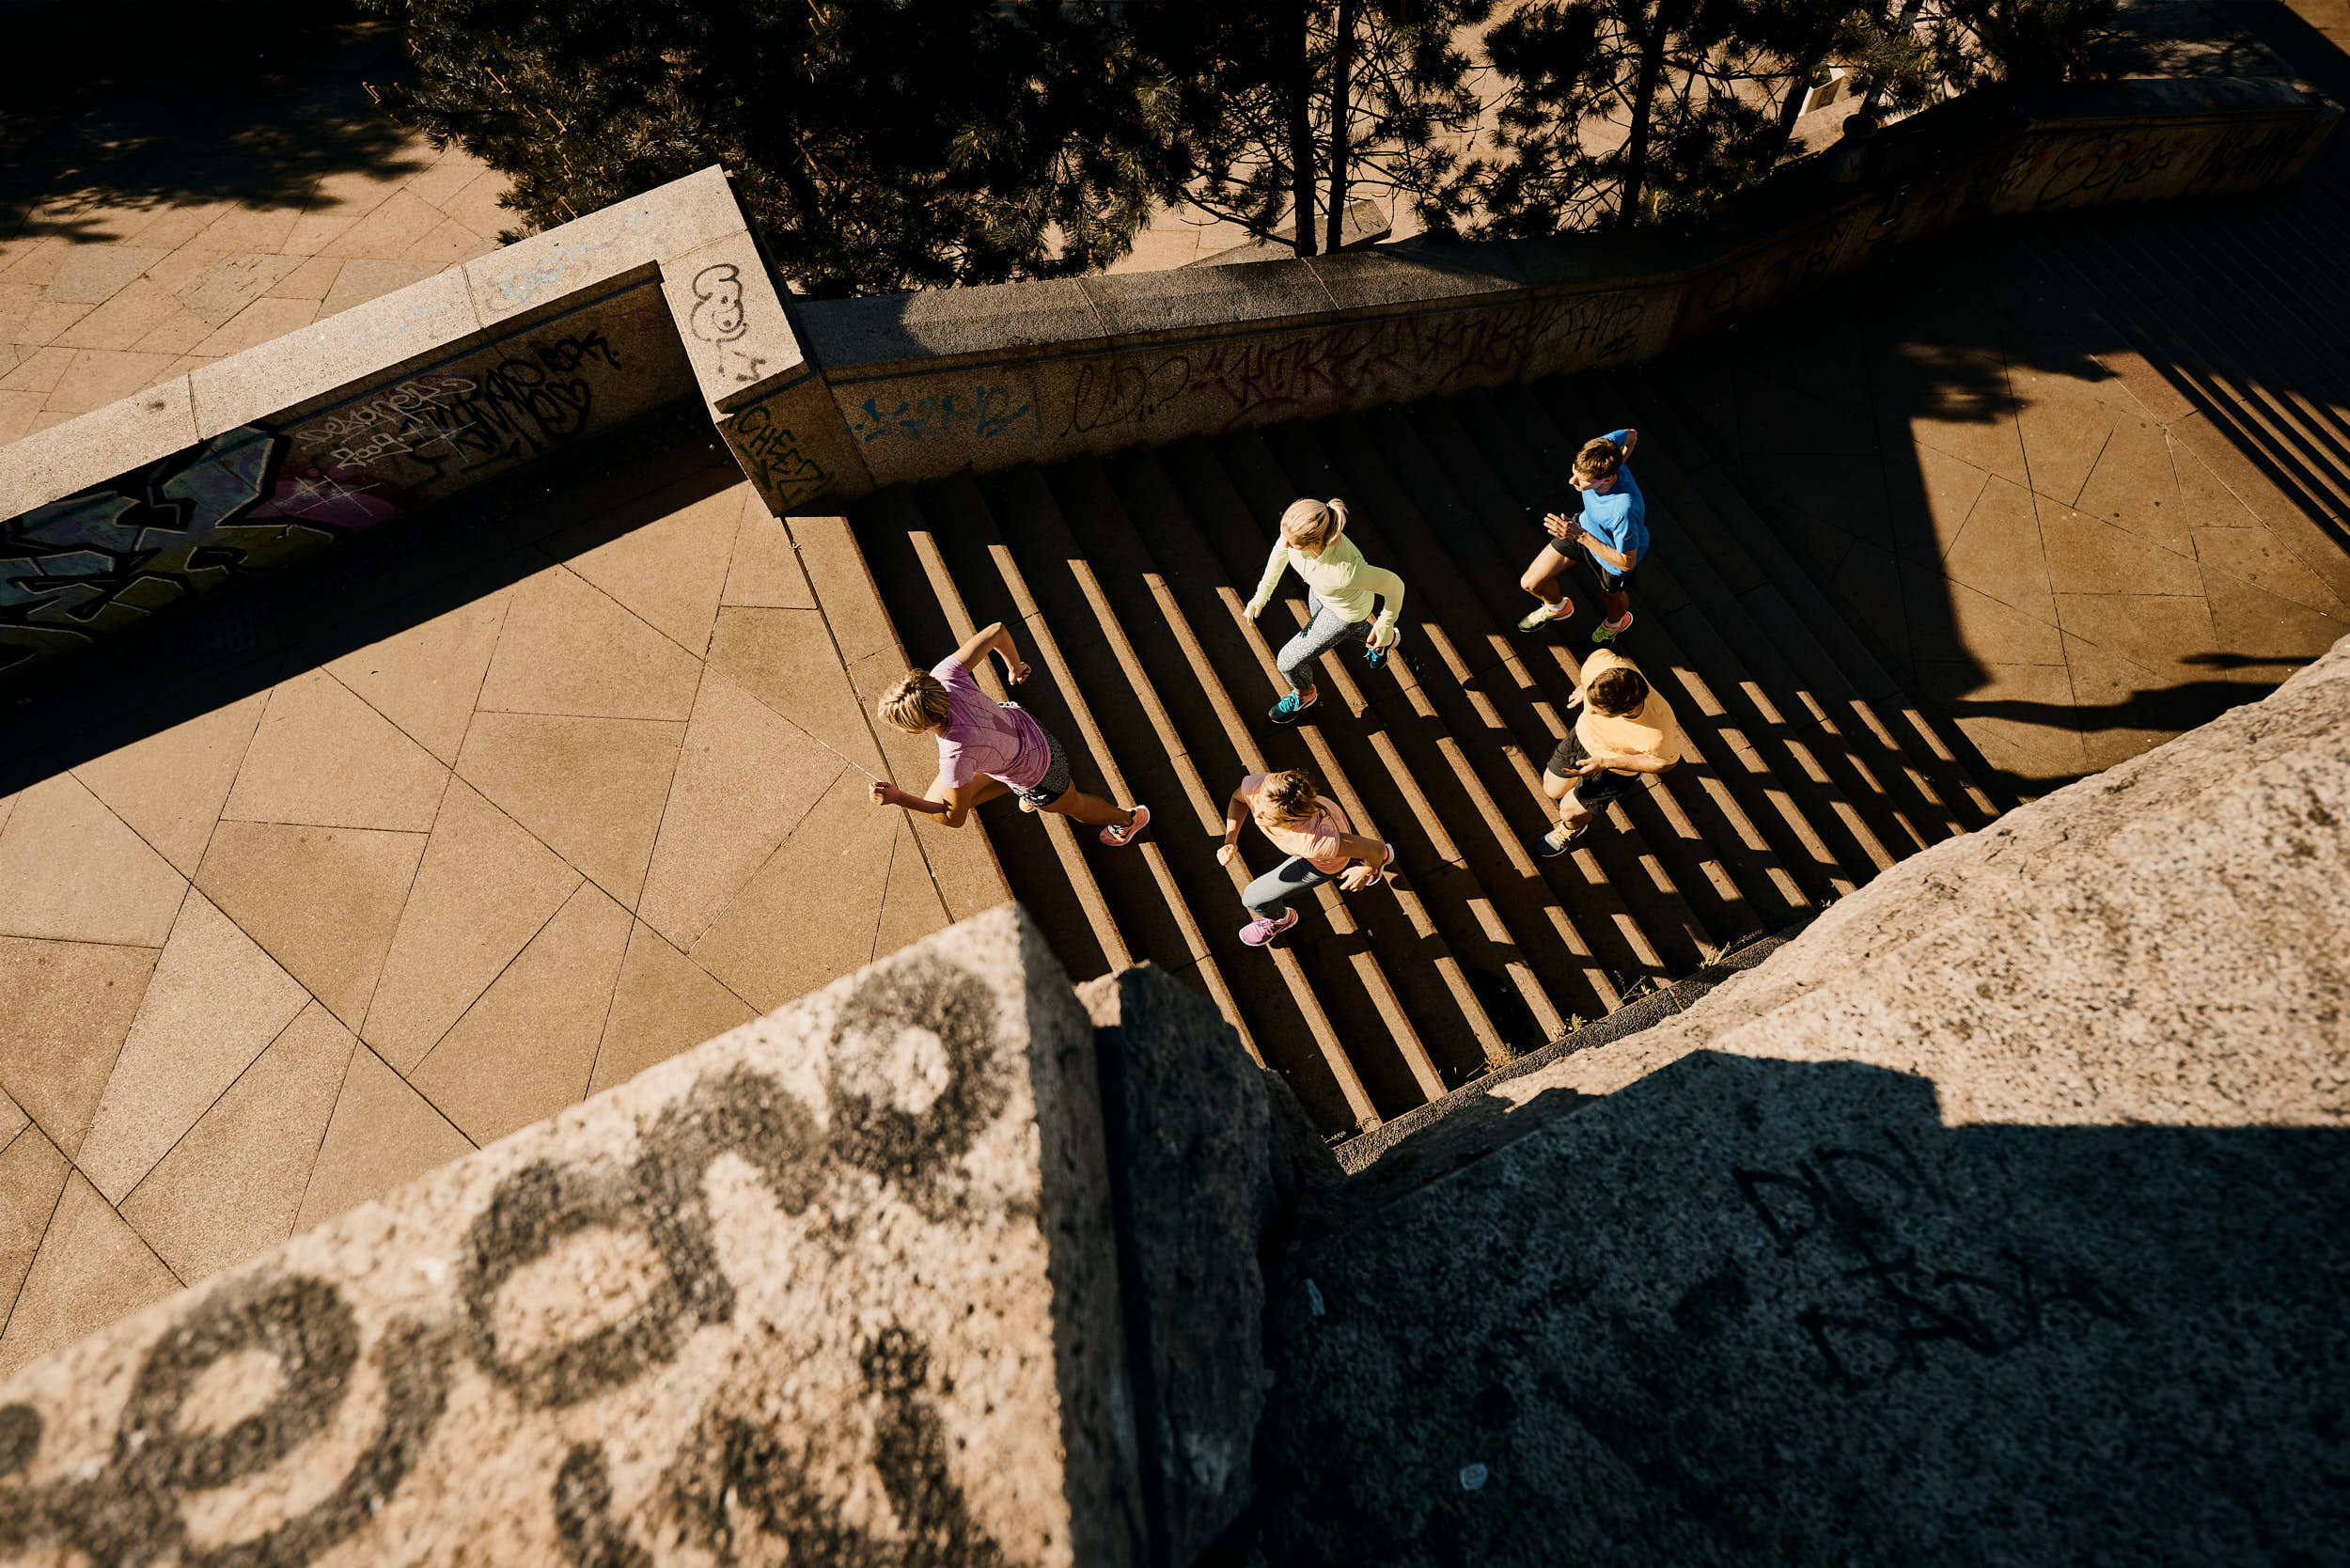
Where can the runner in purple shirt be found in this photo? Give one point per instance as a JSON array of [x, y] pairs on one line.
[[988, 748]]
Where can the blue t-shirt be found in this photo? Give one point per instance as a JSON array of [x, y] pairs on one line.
[[1619, 517]]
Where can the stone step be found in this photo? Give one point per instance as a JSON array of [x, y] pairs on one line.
[[1945, 763], [1125, 578]]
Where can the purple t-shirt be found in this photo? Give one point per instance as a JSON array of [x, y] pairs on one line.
[[984, 736]]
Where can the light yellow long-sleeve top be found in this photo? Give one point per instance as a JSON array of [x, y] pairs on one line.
[[1340, 579]]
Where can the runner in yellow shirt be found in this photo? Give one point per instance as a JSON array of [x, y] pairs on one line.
[[1626, 729]]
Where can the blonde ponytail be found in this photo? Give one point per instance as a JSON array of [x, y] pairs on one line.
[[1312, 524]]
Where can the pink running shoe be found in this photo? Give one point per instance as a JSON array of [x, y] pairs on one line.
[[1119, 837], [1384, 866], [1257, 931]]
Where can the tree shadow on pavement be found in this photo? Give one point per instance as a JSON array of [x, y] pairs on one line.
[[113, 111]]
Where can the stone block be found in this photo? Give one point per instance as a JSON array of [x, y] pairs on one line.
[[1191, 1174], [985, 417], [1433, 277], [837, 1286], [376, 341], [732, 322], [1189, 301], [947, 327], [511, 284], [793, 447], [121, 437], [1992, 1218]]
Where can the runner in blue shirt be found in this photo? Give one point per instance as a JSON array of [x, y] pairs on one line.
[[1613, 531]]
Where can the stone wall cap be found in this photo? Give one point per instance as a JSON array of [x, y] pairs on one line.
[[121, 438], [429, 319], [1614, 260], [1373, 280], [932, 327], [1192, 299], [732, 321], [671, 220]]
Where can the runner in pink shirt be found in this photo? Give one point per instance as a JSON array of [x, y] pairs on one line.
[[1310, 829], [988, 748]]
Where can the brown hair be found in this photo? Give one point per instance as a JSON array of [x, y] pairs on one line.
[[1285, 797], [915, 703], [1599, 460], [1618, 691], [1312, 524]]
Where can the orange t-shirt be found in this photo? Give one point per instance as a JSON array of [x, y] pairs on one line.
[[1316, 839]]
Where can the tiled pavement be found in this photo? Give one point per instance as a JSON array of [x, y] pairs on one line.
[[273, 960], [2031, 524], [98, 301]]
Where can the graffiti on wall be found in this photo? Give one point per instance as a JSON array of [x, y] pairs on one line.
[[771, 458], [257, 498], [106, 559], [868, 1481], [983, 413], [719, 319], [2136, 163], [1849, 1212]]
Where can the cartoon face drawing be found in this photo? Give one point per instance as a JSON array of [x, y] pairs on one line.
[[718, 304]]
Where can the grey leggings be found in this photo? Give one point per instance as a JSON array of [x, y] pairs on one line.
[[1268, 896], [1319, 635]]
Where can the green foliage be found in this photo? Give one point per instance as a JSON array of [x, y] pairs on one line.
[[1622, 111], [1626, 111], [894, 144], [1260, 103], [880, 144]]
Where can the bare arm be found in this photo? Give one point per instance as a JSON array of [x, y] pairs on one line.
[[1235, 813], [1620, 560], [994, 637], [948, 804], [1370, 851]]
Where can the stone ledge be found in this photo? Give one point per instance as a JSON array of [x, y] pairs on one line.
[[1994, 1219], [840, 1280]]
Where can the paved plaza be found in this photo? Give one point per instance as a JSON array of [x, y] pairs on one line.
[[283, 955], [270, 958], [160, 226], [2036, 530]]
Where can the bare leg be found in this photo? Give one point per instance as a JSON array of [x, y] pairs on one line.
[[1554, 786], [1077, 805], [1617, 606], [1546, 578], [1573, 814]]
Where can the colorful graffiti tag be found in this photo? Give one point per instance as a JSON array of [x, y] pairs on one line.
[[256, 500], [108, 558]]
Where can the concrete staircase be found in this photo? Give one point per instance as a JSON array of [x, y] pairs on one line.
[[1125, 576]]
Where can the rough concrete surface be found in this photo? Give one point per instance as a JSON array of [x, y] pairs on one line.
[[838, 1287], [1994, 1219], [1188, 1124]]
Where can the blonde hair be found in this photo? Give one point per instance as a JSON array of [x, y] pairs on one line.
[[1285, 797], [1599, 459], [1312, 524], [916, 703]]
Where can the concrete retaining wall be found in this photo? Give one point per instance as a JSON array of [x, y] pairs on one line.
[[926, 385], [257, 460], [842, 1286]]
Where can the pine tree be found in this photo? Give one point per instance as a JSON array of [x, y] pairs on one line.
[[1621, 112], [1289, 108], [879, 144]]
